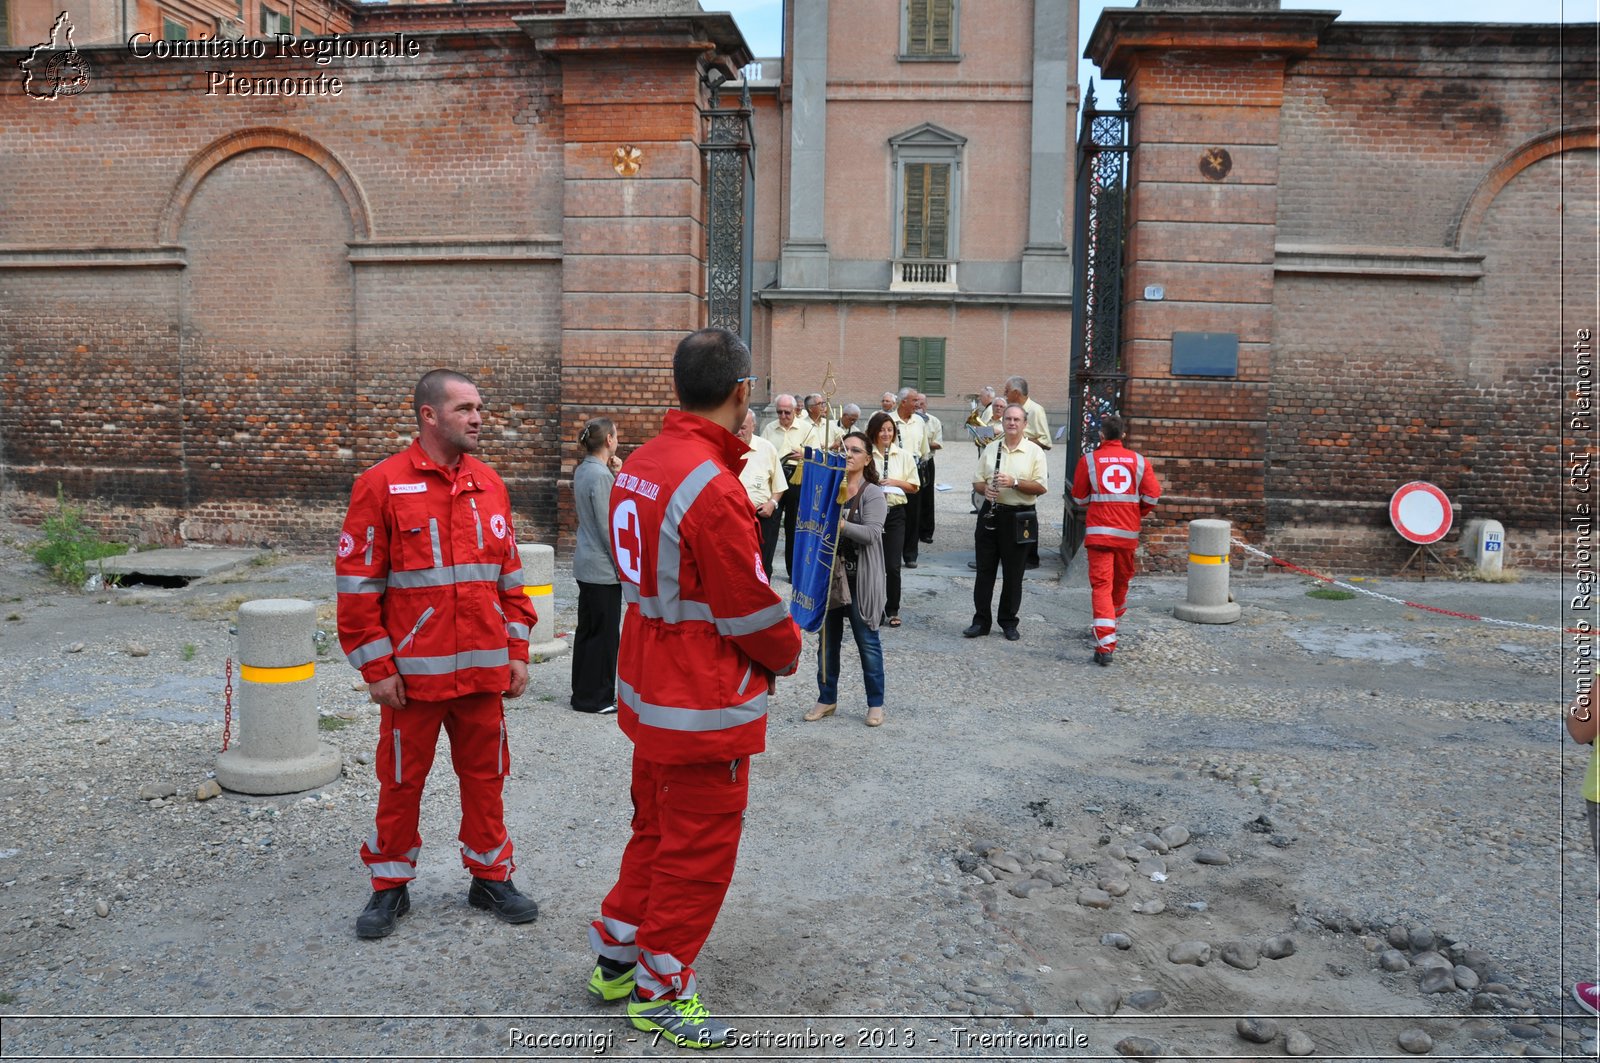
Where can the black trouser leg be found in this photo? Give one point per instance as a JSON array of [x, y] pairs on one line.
[[913, 509], [594, 646], [1013, 560], [987, 545], [790, 508], [894, 533], [925, 499]]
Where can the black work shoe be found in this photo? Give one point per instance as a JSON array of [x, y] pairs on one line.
[[1032, 564], [1012, 634], [972, 565], [976, 631], [502, 898], [385, 907], [1102, 658], [908, 564]]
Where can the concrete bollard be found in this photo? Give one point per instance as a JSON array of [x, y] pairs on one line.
[[538, 579], [277, 751], [1209, 601]]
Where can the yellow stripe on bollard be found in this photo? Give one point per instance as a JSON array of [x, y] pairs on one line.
[[1208, 559], [292, 674], [543, 588]]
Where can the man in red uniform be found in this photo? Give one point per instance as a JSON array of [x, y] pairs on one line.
[[433, 613], [703, 636], [1119, 487]]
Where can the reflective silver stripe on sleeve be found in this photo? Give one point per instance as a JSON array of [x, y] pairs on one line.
[[510, 581], [758, 621], [488, 859], [444, 577], [362, 584], [518, 631], [672, 718], [1149, 499], [453, 662], [433, 539], [370, 652], [1120, 533], [371, 532]]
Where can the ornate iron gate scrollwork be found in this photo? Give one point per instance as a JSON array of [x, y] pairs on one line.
[[729, 154], [1097, 378]]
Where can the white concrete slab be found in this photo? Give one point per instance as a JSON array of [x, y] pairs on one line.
[[182, 563]]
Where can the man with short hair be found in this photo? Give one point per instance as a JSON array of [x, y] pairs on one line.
[[912, 433], [787, 434], [1119, 488], [985, 414], [704, 635], [1011, 475], [848, 418], [1038, 431], [762, 476], [888, 401], [431, 610], [821, 432]]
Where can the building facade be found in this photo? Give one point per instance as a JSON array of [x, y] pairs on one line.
[[914, 174]]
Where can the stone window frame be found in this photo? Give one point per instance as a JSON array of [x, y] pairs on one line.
[[906, 55], [927, 143]]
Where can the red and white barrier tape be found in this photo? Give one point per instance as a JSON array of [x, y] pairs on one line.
[[1280, 562]]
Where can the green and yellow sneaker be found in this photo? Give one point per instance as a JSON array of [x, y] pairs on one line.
[[609, 988], [683, 1022]]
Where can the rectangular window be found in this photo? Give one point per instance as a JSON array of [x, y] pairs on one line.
[[5, 22], [922, 363], [930, 27], [273, 22], [173, 30], [926, 225]]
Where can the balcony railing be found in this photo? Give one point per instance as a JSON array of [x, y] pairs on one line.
[[912, 274]]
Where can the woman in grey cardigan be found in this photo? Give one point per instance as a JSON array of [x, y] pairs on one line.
[[594, 643], [857, 591]]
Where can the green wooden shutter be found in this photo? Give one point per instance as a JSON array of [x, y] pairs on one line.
[[938, 211], [940, 24], [917, 25], [914, 207], [910, 360], [932, 382]]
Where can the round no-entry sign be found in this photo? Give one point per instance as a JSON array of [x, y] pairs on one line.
[[1420, 512]]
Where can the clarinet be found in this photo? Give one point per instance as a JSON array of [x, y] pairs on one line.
[[991, 514]]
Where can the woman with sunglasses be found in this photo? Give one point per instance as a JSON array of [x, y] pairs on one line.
[[897, 475], [857, 591]]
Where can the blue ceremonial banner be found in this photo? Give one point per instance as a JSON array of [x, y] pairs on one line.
[[816, 536]]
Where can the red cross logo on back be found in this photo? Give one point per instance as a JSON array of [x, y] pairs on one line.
[[1118, 479], [625, 541]]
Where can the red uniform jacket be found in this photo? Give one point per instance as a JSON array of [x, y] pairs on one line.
[[1119, 488], [430, 582], [704, 629]]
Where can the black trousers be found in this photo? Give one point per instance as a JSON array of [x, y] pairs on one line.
[[894, 536], [594, 646], [925, 504], [913, 511], [769, 534], [998, 549], [789, 507]]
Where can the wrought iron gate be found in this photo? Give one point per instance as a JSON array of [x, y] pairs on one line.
[[730, 209], [1096, 377]]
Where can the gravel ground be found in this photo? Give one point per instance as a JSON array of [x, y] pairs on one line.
[[1381, 786]]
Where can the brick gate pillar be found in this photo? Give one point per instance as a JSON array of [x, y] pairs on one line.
[[633, 230], [1205, 86]]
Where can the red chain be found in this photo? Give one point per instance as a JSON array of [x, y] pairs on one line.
[[227, 705]]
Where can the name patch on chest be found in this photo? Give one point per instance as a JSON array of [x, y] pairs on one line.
[[408, 489]]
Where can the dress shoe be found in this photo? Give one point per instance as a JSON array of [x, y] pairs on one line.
[[972, 565], [976, 631], [1102, 658], [1032, 564], [908, 564], [503, 899], [928, 541], [819, 711], [384, 908], [1012, 634]]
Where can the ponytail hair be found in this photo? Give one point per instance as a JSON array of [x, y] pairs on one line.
[[594, 434]]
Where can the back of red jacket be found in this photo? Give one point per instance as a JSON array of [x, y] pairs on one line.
[[1119, 487], [704, 628]]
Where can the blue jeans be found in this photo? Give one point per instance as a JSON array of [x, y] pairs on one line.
[[828, 660]]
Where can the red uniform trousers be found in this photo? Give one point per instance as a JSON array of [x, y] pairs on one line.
[[1110, 570], [675, 871], [407, 741]]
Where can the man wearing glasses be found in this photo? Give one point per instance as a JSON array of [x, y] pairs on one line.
[[787, 434]]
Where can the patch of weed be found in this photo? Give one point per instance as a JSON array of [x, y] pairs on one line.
[[70, 545], [1330, 594]]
